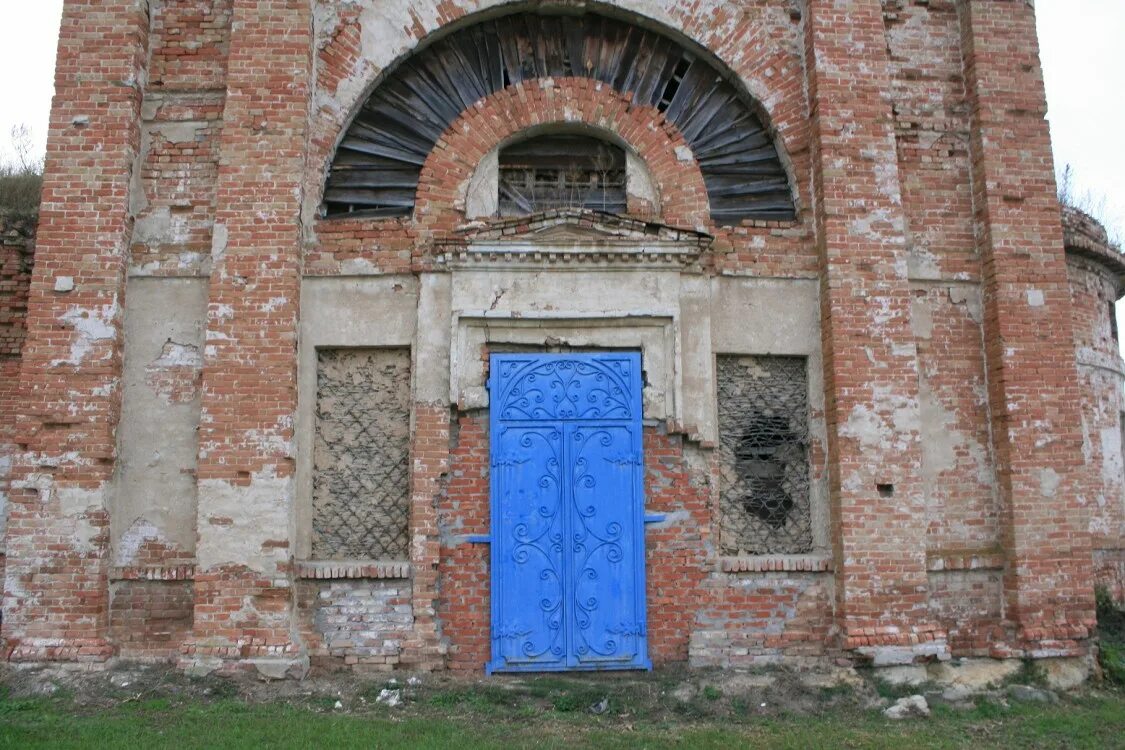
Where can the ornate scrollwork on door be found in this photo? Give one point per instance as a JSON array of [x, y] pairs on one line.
[[567, 513], [566, 389]]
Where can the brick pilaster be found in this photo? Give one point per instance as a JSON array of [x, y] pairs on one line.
[[870, 359], [243, 585], [1034, 390], [56, 587]]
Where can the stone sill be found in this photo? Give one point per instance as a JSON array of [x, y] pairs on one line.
[[336, 569], [153, 573], [777, 564], [939, 562]]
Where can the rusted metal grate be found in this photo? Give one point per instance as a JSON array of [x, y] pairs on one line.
[[377, 165], [361, 480], [764, 455]]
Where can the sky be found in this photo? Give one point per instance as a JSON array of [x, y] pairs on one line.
[[1081, 44]]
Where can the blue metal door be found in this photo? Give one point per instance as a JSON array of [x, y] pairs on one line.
[[567, 512]]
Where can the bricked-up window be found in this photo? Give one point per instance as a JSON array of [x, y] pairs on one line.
[[361, 480], [764, 455], [561, 171]]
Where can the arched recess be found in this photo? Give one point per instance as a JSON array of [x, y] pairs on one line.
[[376, 167]]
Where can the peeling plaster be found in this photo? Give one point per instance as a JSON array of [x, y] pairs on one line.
[[130, 543], [91, 325], [68, 508], [175, 354], [220, 235], [923, 264], [257, 512], [5, 470], [866, 225], [922, 318], [1049, 482], [960, 295], [1112, 458], [868, 427]]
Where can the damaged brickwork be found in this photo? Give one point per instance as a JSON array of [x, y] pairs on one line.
[[17, 255], [242, 433]]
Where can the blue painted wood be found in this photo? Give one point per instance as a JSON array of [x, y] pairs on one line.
[[656, 518], [567, 537], [479, 539]]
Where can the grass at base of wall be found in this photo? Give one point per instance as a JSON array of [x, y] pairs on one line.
[[461, 721]]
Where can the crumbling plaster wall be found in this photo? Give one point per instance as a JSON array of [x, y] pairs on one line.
[[763, 300], [371, 312], [153, 514], [1094, 289]]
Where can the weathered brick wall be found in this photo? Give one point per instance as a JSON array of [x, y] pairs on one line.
[[56, 601], [931, 118], [17, 256], [874, 440], [355, 623], [249, 383], [969, 603], [1095, 270], [1033, 383], [150, 620], [695, 613], [463, 510], [17, 245], [174, 204], [946, 320]]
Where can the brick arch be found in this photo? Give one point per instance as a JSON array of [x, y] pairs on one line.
[[440, 199], [414, 96], [761, 46]]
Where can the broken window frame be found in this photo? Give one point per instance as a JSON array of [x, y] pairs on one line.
[[561, 170]]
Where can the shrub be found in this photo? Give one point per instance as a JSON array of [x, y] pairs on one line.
[[21, 179], [1111, 634]]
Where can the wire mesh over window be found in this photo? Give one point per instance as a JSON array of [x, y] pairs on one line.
[[561, 171], [764, 455], [361, 482]]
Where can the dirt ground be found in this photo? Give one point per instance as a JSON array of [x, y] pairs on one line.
[[666, 693]]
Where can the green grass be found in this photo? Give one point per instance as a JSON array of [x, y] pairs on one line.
[[501, 718]]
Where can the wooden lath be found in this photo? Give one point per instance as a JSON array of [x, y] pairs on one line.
[[377, 164]]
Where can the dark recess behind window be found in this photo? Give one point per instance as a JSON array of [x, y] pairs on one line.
[[562, 171]]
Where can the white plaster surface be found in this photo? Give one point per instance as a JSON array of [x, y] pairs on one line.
[[155, 483]]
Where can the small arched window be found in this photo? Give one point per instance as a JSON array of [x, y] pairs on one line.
[[561, 171]]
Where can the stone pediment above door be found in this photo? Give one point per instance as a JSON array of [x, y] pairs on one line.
[[570, 237]]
